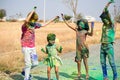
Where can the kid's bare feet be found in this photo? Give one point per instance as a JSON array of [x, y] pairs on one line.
[[87, 76], [79, 75], [105, 78]]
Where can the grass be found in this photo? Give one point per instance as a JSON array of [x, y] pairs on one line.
[[10, 47]]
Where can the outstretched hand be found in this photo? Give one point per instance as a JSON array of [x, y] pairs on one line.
[[35, 8], [57, 17], [108, 4], [67, 23], [62, 15]]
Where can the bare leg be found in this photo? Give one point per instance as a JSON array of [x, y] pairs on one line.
[[56, 72], [79, 68], [48, 72], [86, 67]]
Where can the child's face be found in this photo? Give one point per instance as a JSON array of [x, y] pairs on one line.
[[81, 25], [52, 41]]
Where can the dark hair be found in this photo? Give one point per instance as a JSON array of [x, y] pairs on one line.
[[86, 26], [105, 15], [51, 36]]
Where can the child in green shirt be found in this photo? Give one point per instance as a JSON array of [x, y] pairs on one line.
[[107, 40], [52, 60]]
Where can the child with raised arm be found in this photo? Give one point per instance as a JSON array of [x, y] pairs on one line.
[[28, 42], [82, 51], [107, 40], [52, 60]]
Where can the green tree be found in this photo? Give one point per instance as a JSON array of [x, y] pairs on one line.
[[2, 13]]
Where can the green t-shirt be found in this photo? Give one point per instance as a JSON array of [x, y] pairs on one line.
[[108, 34]]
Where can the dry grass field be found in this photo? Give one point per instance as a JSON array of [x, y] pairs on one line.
[[11, 57]]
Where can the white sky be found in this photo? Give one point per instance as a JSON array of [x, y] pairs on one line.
[[55, 7]]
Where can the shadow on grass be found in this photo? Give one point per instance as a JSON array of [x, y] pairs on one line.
[[65, 75], [40, 78], [83, 78], [17, 77], [90, 78], [20, 77], [74, 76]]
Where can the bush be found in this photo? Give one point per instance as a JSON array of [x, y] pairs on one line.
[[117, 18], [2, 13]]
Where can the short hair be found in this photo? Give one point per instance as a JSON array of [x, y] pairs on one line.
[[51, 36]]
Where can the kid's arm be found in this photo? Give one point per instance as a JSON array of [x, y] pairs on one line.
[[67, 23], [91, 32], [106, 10], [50, 21], [59, 49], [106, 7], [44, 51], [30, 15]]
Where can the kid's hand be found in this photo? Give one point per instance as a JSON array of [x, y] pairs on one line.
[[110, 2], [42, 50], [92, 24], [61, 49], [61, 14], [57, 17], [34, 8]]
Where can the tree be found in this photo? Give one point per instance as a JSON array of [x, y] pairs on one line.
[[2, 13], [117, 18], [79, 16], [72, 4], [117, 14]]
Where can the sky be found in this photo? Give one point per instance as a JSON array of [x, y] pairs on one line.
[[55, 7]]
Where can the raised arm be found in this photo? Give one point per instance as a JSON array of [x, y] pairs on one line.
[[50, 21], [106, 6], [91, 32], [30, 15], [44, 50], [67, 23]]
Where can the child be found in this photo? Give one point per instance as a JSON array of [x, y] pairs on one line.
[[107, 40], [82, 51], [53, 60], [28, 42]]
